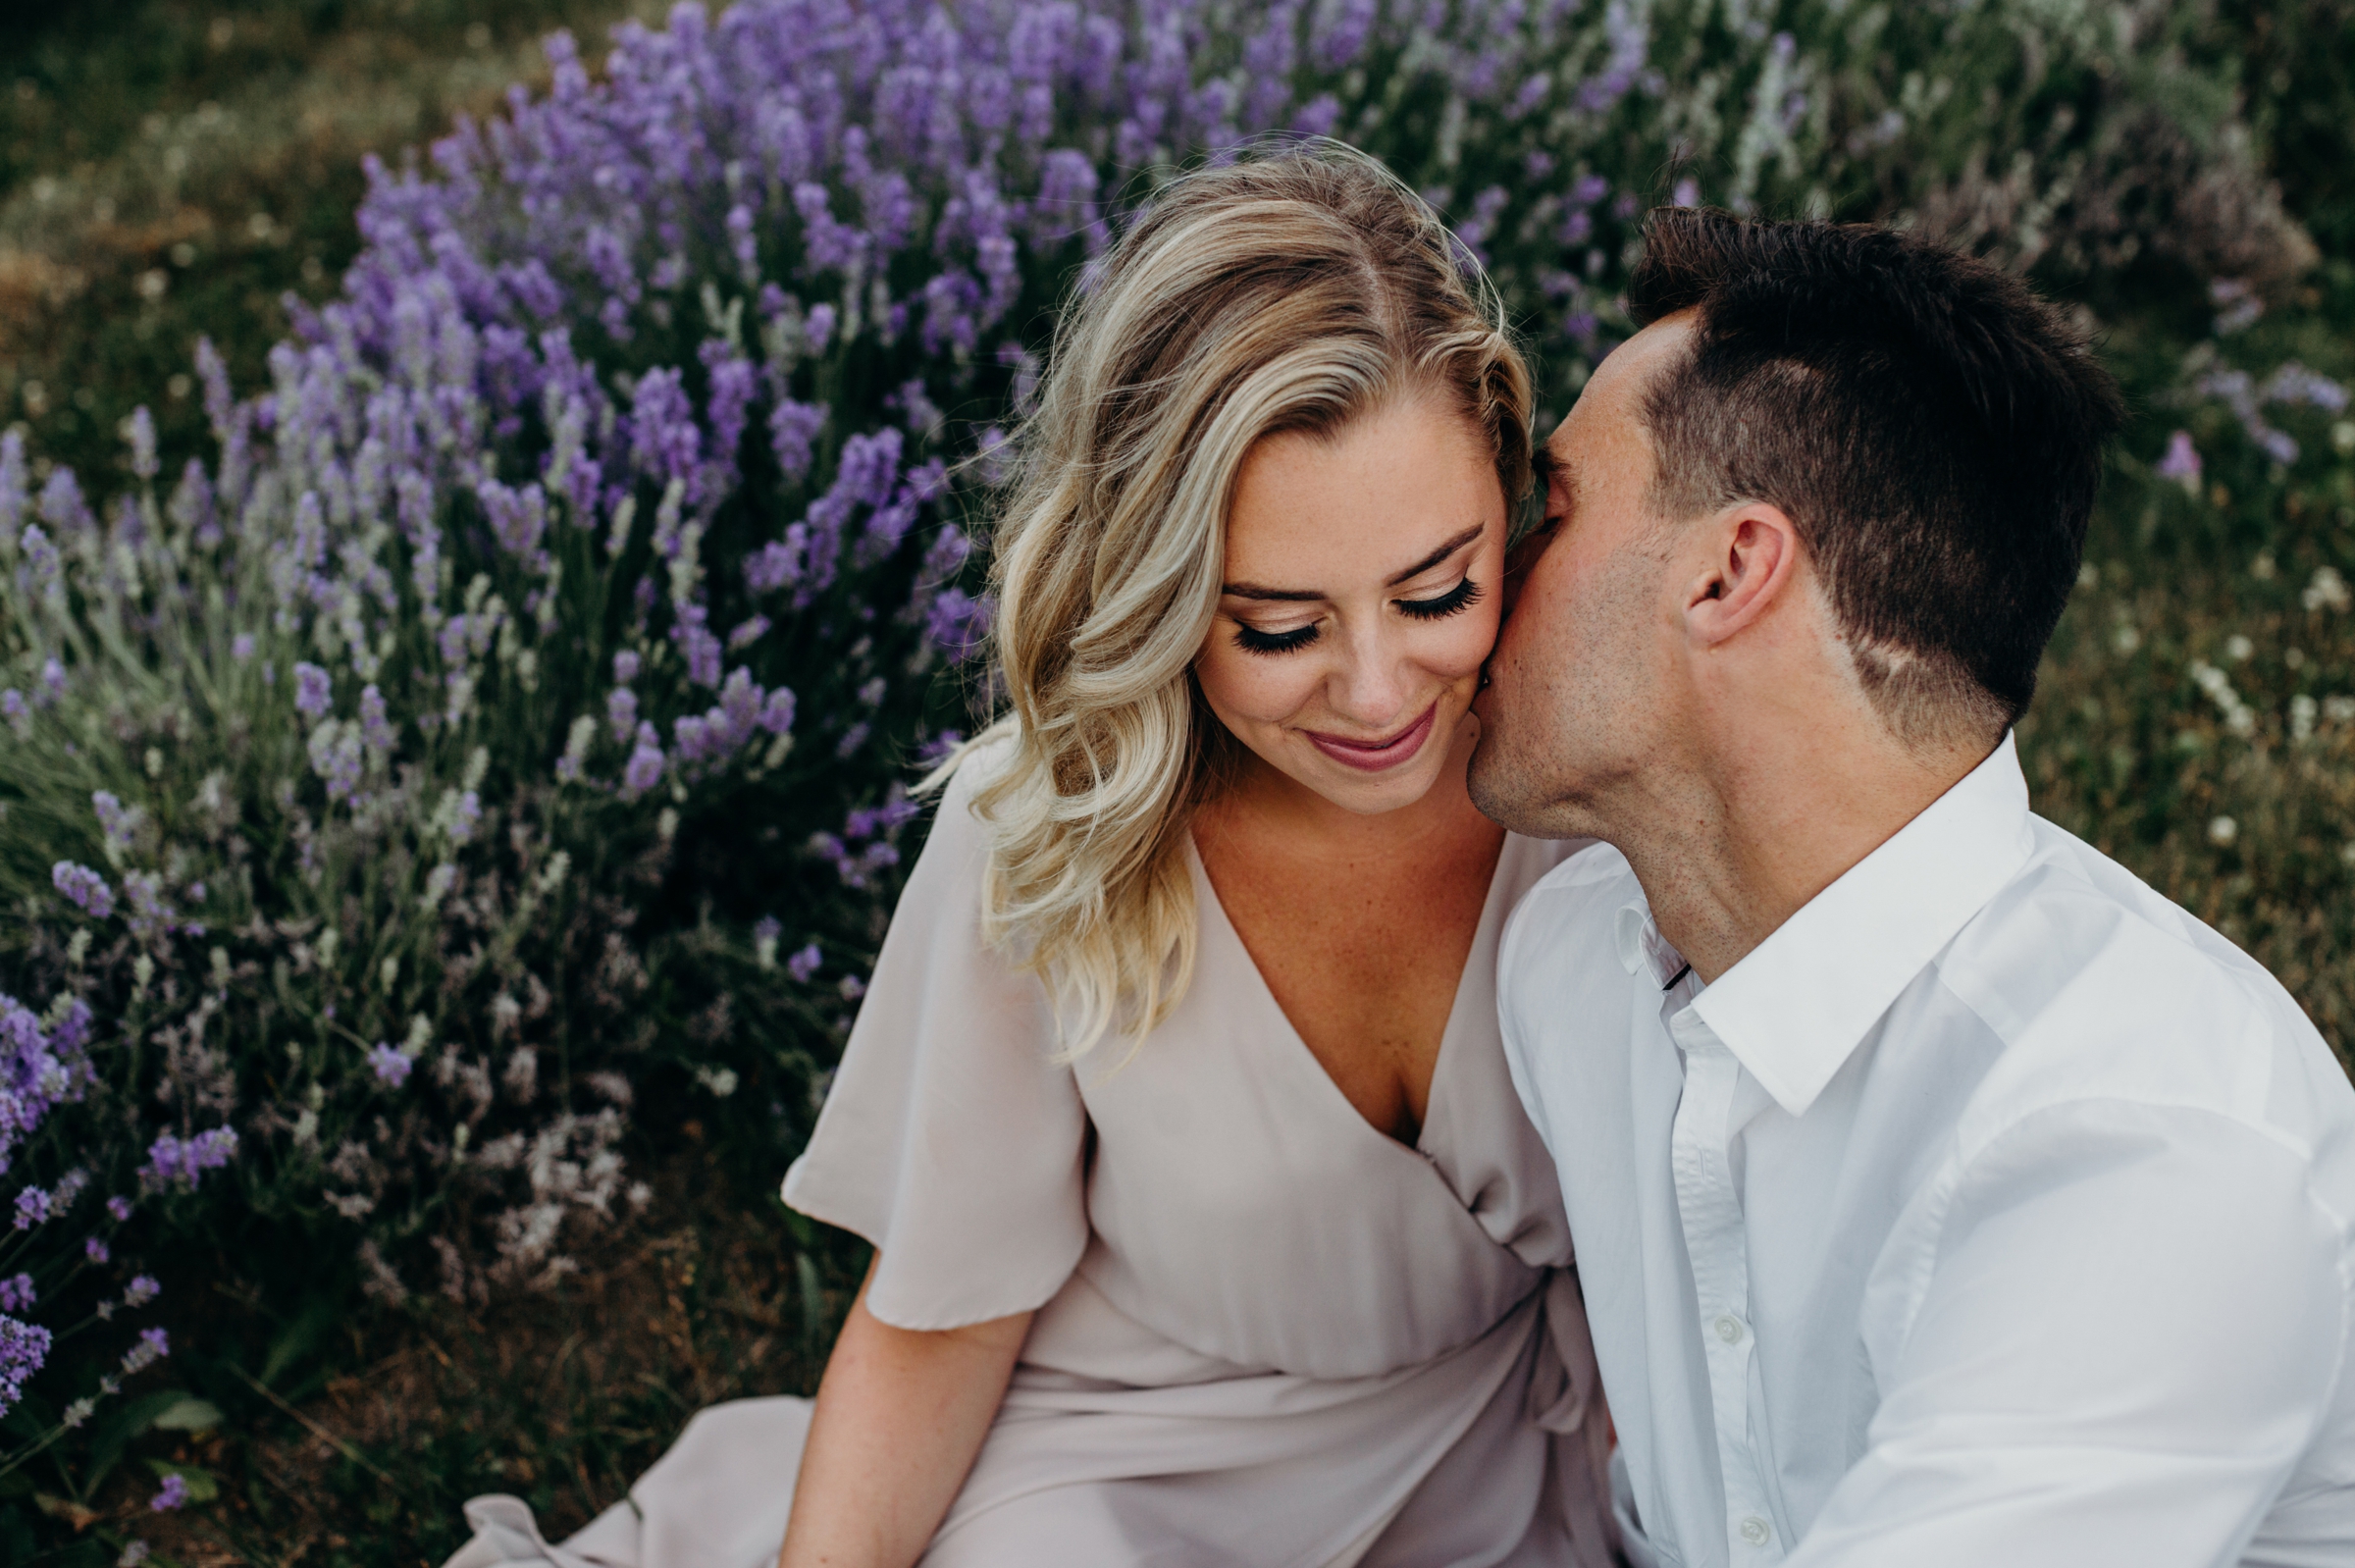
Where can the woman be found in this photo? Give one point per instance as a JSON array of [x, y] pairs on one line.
[[1209, 1229]]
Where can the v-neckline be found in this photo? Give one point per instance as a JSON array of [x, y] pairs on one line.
[[1208, 890]]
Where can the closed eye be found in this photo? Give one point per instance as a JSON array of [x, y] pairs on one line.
[[1463, 596], [1251, 639]]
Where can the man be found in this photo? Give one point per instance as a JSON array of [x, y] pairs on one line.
[[1942, 1195]]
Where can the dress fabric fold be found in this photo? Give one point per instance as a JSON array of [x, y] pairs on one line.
[[1266, 1332]]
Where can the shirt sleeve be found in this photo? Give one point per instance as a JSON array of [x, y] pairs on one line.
[[951, 1139], [2132, 1324]]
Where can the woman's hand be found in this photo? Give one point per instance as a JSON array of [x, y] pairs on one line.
[[901, 1413]]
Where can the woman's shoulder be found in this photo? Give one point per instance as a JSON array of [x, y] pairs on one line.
[[975, 766]]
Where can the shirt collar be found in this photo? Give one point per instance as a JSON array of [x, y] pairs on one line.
[[1642, 948], [1797, 1006]]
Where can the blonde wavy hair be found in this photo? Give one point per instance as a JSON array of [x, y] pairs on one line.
[[1292, 291]]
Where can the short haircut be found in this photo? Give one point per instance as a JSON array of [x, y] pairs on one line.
[[1933, 428]]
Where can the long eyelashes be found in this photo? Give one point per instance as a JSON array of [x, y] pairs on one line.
[[1463, 596], [1251, 639]]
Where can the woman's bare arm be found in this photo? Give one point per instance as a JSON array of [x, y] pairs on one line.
[[901, 1413]]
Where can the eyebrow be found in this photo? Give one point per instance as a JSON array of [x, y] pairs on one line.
[[1301, 595]]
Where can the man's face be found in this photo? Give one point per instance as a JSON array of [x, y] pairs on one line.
[[1583, 683]]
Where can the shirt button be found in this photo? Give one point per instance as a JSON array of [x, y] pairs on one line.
[[1757, 1531], [1729, 1328]]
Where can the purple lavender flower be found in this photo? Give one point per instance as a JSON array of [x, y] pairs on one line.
[[776, 713], [149, 915], [2181, 462], [153, 1346], [314, 691], [701, 648], [24, 1348], [241, 646], [118, 822], [84, 888], [171, 1494], [32, 1207], [376, 727], [625, 667], [16, 1293], [142, 1290], [337, 758], [622, 712], [16, 711], [792, 432], [465, 818], [644, 771], [174, 1161], [94, 1249], [805, 963], [392, 1068], [120, 1207], [141, 428]]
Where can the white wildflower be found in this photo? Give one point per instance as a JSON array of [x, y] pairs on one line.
[[2302, 713], [2328, 591], [2239, 717], [721, 1081], [522, 1077], [2223, 830]]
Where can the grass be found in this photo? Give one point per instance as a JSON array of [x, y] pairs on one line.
[[168, 169]]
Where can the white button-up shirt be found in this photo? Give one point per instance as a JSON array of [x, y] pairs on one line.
[[1992, 1212]]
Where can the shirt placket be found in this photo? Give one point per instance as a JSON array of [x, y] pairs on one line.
[[1710, 1210]]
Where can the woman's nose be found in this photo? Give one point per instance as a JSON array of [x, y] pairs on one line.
[[1370, 687]]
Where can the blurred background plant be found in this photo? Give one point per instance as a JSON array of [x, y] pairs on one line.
[[459, 717]]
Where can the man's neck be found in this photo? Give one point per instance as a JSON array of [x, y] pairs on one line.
[[1728, 850]]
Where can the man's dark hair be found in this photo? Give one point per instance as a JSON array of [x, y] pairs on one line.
[[1933, 428]]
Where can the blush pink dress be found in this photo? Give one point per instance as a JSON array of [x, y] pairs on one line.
[[1267, 1333]]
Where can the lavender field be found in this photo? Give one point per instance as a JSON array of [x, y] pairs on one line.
[[490, 529]]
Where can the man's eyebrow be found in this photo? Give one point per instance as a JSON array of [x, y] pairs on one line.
[[1310, 596]]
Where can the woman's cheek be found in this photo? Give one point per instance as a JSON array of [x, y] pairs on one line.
[[1255, 688], [1462, 643]]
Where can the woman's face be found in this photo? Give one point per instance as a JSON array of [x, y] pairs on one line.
[[1360, 598]]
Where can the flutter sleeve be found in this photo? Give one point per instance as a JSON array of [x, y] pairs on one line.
[[951, 1139]]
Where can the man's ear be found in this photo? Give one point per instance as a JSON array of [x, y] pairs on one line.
[[1753, 562]]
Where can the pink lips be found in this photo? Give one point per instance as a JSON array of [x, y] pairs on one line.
[[1372, 757]]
